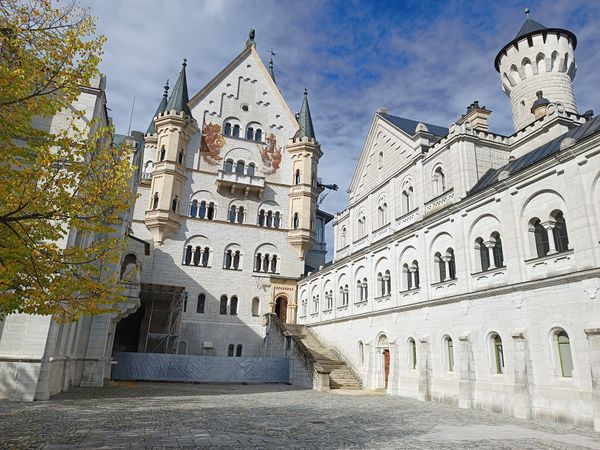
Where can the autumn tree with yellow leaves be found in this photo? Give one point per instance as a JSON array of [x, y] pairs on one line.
[[56, 185]]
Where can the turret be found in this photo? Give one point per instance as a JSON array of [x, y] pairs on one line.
[[537, 59], [174, 128], [305, 153], [150, 138]]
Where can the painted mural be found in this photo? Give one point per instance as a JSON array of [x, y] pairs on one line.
[[211, 144], [270, 155]]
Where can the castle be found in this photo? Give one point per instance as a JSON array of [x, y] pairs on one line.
[[465, 267]]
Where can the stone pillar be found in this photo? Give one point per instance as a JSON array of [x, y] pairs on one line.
[[394, 377], [522, 402], [446, 260], [490, 246], [466, 372], [550, 227], [593, 338], [424, 370]]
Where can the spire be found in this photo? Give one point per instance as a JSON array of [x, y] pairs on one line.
[[161, 108], [271, 71], [179, 97], [305, 120]]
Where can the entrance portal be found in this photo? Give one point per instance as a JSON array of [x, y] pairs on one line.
[[386, 366], [281, 308]]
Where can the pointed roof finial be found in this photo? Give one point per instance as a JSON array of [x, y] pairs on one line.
[[250, 41], [305, 119], [166, 87], [270, 69], [179, 97], [526, 11]]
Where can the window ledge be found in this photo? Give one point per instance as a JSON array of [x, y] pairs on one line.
[[342, 307], [327, 310], [414, 290], [551, 256], [445, 282], [362, 302], [383, 297], [232, 269], [490, 271], [315, 314], [194, 265]]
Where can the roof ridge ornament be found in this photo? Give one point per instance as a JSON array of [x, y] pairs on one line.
[[250, 42], [526, 11], [270, 69]]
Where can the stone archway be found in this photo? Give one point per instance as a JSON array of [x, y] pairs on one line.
[[281, 304], [383, 350]]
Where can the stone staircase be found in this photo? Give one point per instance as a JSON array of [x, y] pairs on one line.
[[340, 377]]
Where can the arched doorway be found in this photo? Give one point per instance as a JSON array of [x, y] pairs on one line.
[[281, 308], [386, 366], [384, 350]]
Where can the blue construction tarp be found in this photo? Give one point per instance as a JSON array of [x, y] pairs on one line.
[[214, 369]]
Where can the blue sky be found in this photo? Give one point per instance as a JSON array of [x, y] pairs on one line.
[[425, 60]]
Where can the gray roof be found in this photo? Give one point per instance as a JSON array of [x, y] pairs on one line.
[[305, 120], [537, 155], [161, 108], [409, 126], [529, 26], [179, 97]]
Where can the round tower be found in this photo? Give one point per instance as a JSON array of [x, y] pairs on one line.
[[537, 59]]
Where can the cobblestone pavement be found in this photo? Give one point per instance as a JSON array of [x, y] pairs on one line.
[[157, 415]]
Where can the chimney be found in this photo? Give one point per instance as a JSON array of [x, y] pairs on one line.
[[477, 115]]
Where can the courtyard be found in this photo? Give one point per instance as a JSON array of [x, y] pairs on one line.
[[157, 415]]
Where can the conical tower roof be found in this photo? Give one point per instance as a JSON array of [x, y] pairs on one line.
[[529, 26], [161, 108], [179, 97], [305, 119]]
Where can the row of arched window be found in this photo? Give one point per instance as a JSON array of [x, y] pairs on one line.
[[561, 350], [270, 219], [237, 348], [197, 256], [239, 167], [162, 153], [265, 263], [253, 133], [202, 210], [232, 259], [225, 305], [237, 214]]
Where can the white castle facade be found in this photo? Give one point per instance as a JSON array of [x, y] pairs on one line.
[[466, 264]]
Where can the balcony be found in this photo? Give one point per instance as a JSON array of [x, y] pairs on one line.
[[234, 182], [440, 202]]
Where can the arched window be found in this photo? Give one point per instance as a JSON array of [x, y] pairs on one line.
[[239, 168], [205, 255], [561, 238], [484, 255], [194, 208], [250, 133], [230, 350], [365, 289], [227, 259], [232, 214], [542, 245], [316, 304], [174, 204], [258, 135], [233, 306], [188, 255], [258, 262], [343, 237], [236, 131], [380, 160], [412, 354], [251, 169], [382, 214], [441, 266], [155, 201], [180, 157], [236, 260], [255, 306], [197, 255], [270, 219], [405, 202], [162, 154], [228, 168], [304, 307], [210, 213], [223, 305], [201, 304], [451, 264], [266, 260], [346, 298], [330, 300], [277, 220], [297, 177], [296, 223], [497, 250], [439, 181], [361, 353], [498, 353], [362, 225], [408, 276], [449, 353], [359, 291], [381, 284], [238, 350], [387, 279], [202, 210], [240, 215], [274, 264], [564, 354], [261, 217], [227, 129]]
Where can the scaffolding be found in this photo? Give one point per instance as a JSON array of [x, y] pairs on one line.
[[165, 306]]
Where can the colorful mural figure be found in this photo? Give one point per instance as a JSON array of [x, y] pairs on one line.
[[211, 144], [270, 155]]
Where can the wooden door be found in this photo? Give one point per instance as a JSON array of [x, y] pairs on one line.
[[283, 309], [386, 366]]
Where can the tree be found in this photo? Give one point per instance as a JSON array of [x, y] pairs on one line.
[[63, 192]]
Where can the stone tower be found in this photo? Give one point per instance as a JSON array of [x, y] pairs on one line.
[[174, 126], [537, 59], [305, 153]]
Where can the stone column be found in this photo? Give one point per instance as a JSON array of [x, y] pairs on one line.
[[522, 402], [446, 260], [593, 338], [466, 372], [490, 246], [550, 227], [394, 377], [424, 370]]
